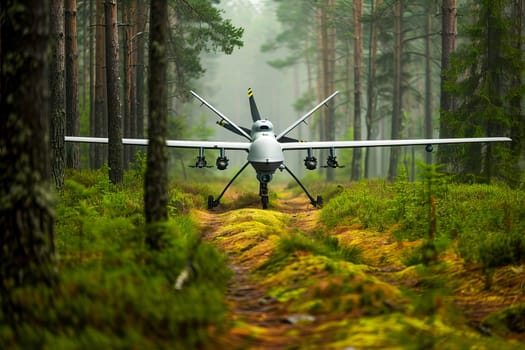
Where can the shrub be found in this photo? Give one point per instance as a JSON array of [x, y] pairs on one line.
[[114, 292], [318, 244], [487, 221]]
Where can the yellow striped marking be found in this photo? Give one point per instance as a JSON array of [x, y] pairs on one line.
[[250, 92]]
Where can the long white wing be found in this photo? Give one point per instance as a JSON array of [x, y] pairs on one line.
[[304, 117], [243, 146], [216, 111], [386, 143]]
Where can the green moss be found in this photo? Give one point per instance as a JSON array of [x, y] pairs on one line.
[[508, 320], [314, 271], [486, 220], [113, 292]]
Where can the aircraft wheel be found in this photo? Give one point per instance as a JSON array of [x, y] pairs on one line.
[[264, 201], [211, 202], [319, 201]]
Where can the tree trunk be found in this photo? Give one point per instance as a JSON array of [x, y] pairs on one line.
[[428, 79], [156, 177], [57, 102], [326, 81], [84, 45], [358, 58], [494, 127], [371, 94], [321, 43], [448, 46], [115, 160], [72, 116], [140, 50], [330, 78], [396, 91], [26, 213], [92, 78], [133, 77], [517, 128], [348, 79], [127, 33], [101, 129], [449, 35]]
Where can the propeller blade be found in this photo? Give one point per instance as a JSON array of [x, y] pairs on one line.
[[253, 107]]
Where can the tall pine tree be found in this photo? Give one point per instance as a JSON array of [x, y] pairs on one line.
[[27, 256], [481, 72]]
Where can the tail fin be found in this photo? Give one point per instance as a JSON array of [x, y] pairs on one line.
[[253, 107]]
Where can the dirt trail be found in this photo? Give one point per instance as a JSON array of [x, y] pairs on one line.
[[259, 321]]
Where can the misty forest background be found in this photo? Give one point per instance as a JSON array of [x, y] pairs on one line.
[[386, 57], [107, 68]]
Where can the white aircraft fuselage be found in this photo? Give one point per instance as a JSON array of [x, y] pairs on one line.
[[266, 153]]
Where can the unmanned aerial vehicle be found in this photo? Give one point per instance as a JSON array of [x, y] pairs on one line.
[[265, 148]]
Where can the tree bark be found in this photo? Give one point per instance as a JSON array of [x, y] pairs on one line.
[[449, 34], [84, 47], [26, 214], [321, 43], [517, 128], [371, 97], [428, 78], [127, 33], [447, 101], [57, 102], [115, 160], [140, 50], [326, 39], [72, 116], [92, 78], [397, 88], [358, 58], [101, 128], [495, 68], [156, 177], [330, 78]]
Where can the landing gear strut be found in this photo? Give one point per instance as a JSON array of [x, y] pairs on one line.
[[212, 203], [315, 202], [263, 192]]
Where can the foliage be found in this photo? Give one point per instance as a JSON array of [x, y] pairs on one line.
[[486, 221], [295, 35], [488, 225], [199, 28], [511, 319], [113, 291], [485, 83], [361, 202], [295, 287], [318, 244]]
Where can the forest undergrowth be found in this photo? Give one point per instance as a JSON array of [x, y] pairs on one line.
[[367, 270], [428, 264], [113, 292]]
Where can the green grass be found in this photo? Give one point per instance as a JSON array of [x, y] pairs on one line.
[[486, 221], [113, 292], [318, 244]]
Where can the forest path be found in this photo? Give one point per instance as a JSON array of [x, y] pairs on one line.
[[259, 321], [310, 301]]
